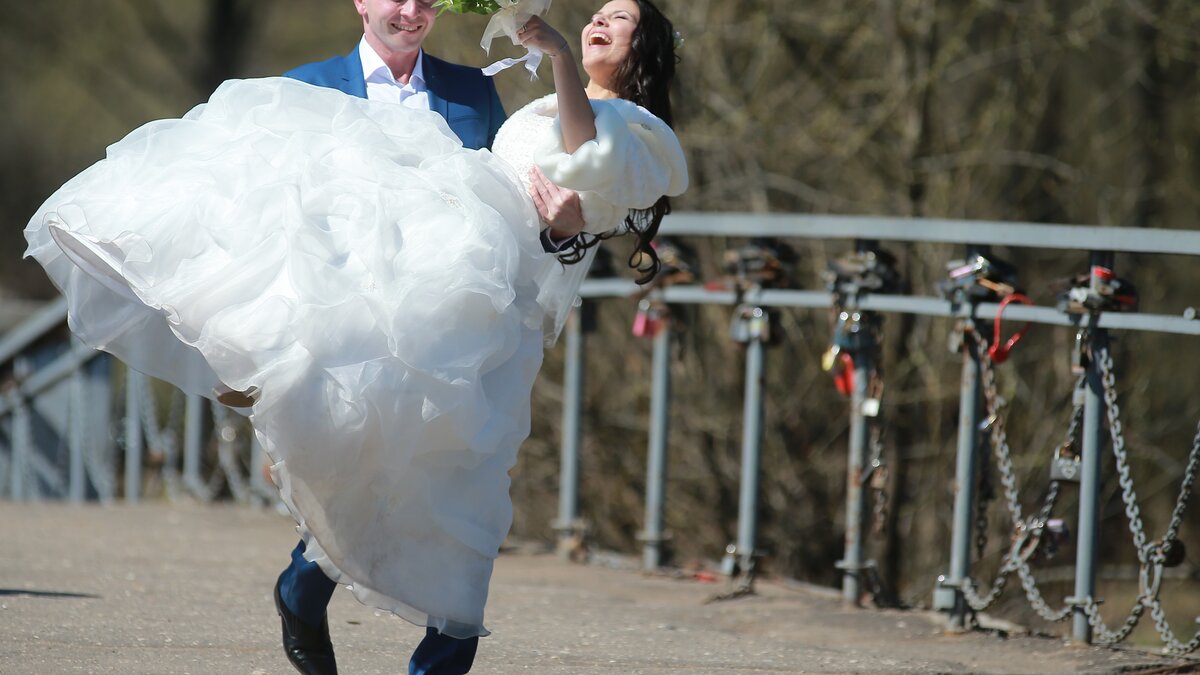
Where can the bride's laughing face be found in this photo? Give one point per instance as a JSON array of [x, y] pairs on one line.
[[396, 26], [608, 38]]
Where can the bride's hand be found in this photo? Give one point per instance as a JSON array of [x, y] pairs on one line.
[[558, 207], [538, 33]]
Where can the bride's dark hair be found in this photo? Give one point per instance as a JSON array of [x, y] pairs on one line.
[[644, 78]]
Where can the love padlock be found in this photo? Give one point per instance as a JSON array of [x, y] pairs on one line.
[[1065, 467], [648, 320], [843, 374], [999, 351], [829, 358]]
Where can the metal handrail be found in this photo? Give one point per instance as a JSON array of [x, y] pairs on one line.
[[935, 230], [905, 304], [32, 329]]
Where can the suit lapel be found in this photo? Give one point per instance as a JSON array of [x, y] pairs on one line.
[[352, 75], [434, 86]]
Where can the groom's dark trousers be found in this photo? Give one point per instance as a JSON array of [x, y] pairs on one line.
[[306, 591], [469, 103]]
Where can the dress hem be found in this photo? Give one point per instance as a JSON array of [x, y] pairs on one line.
[[315, 552]]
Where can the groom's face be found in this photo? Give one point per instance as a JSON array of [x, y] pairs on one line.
[[397, 26]]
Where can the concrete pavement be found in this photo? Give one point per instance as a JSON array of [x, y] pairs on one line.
[[187, 589]]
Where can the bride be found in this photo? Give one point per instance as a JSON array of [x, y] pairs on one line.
[[380, 289]]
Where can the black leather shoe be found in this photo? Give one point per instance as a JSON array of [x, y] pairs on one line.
[[308, 649]]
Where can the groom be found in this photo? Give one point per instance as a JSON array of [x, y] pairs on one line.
[[389, 65]]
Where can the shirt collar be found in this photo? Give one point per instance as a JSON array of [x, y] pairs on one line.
[[374, 69]]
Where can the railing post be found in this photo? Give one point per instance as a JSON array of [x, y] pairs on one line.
[[752, 413], [572, 427], [76, 431], [1089, 475], [22, 434], [133, 435], [656, 456], [852, 563], [948, 595], [193, 433], [98, 460]]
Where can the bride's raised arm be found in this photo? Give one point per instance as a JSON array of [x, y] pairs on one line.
[[575, 114]]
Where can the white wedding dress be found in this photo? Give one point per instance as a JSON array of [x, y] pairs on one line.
[[384, 288]]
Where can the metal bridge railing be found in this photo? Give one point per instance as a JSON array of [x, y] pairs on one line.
[[59, 438], [55, 401], [859, 291]]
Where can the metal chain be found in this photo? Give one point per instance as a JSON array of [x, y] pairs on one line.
[[987, 488], [1105, 635], [1151, 557], [1173, 645], [878, 485], [1185, 489], [1027, 534], [1007, 479]]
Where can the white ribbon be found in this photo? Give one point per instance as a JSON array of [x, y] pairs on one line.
[[512, 15]]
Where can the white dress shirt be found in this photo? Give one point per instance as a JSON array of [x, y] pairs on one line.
[[382, 84]]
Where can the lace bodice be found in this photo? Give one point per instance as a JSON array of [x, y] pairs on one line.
[[529, 126]]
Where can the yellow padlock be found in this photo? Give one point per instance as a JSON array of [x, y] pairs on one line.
[[829, 358]]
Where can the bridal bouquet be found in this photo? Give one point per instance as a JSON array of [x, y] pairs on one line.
[[484, 7], [507, 18]]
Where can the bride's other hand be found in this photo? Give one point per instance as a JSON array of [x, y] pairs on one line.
[[558, 207], [538, 33]]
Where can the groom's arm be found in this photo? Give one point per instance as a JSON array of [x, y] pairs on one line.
[[496, 114]]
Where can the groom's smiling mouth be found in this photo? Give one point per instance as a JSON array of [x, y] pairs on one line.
[[406, 28]]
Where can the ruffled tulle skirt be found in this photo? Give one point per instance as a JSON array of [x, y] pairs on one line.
[[372, 278]]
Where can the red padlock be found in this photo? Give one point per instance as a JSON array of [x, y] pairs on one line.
[[999, 351], [648, 321], [843, 374]]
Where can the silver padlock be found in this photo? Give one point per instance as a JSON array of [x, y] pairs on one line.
[[739, 327], [1064, 467], [955, 341], [759, 325], [870, 407], [879, 475], [729, 564]]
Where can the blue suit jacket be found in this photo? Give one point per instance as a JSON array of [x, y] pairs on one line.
[[464, 96]]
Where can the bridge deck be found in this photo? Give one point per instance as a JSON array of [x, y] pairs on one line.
[[186, 589]]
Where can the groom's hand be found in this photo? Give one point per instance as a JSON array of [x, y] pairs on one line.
[[558, 207]]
